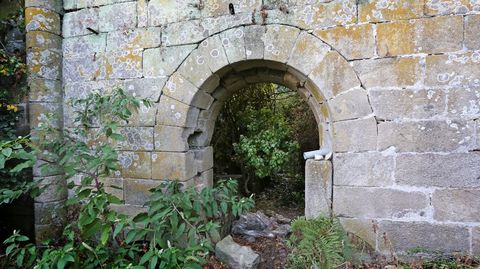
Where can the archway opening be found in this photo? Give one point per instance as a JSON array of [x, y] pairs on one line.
[[260, 134], [217, 88]]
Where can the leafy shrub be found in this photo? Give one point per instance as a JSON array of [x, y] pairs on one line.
[[16, 156], [267, 147], [319, 243], [177, 231]]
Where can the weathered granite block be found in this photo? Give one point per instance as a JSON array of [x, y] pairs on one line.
[[378, 203], [455, 170], [456, 205], [173, 166], [363, 169], [429, 236], [426, 136]]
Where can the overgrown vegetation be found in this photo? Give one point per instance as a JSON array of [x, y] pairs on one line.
[[177, 230], [269, 127], [318, 243]]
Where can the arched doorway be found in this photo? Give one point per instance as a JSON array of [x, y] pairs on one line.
[[226, 62]]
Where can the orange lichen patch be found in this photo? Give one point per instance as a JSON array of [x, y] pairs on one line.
[[395, 38], [405, 70], [44, 63], [353, 42], [39, 19], [119, 64], [378, 10], [437, 7], [429, 35], [44, 40], [135, 164], [343, 12]]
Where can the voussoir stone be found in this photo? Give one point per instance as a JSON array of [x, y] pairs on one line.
[[279, 41], [159, 62], [342, 38], [334, 75], [307, 53]]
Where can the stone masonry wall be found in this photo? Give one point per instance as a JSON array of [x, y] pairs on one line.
[[394, 86]]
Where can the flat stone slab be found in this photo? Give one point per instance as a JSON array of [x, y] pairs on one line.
[[235, 255]]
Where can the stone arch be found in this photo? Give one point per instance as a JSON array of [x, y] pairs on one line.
[[225, 62]]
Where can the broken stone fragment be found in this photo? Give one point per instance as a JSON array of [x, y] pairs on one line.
[[235, 255]]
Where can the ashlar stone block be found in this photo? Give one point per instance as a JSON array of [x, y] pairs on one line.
[[372, 169], [318, 188], [78, 22], [161, 12], [350, 105], [44, 63], [137, 191], [378, 202], [412, 104], [134, 38], [213, 53], [137, 138], [160, 62], [135, 164], [195, 68], [354, 42], [378, 10], [455, 70], [464, 103], [426, 136], [254, 42], [41, 19], [472, 39], [84, 45], [121, 64], [173, 166], [446, 7], [433, 237], [456, 205], [355, 135], [174, 113], [455, 170], [432, 35], [204, 159], [171, 138], [119, 16], [388, 72]]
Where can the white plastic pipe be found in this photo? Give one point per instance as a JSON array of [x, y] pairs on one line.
[[311, 154]]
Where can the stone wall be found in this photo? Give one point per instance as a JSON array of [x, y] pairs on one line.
[[394, 86]]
